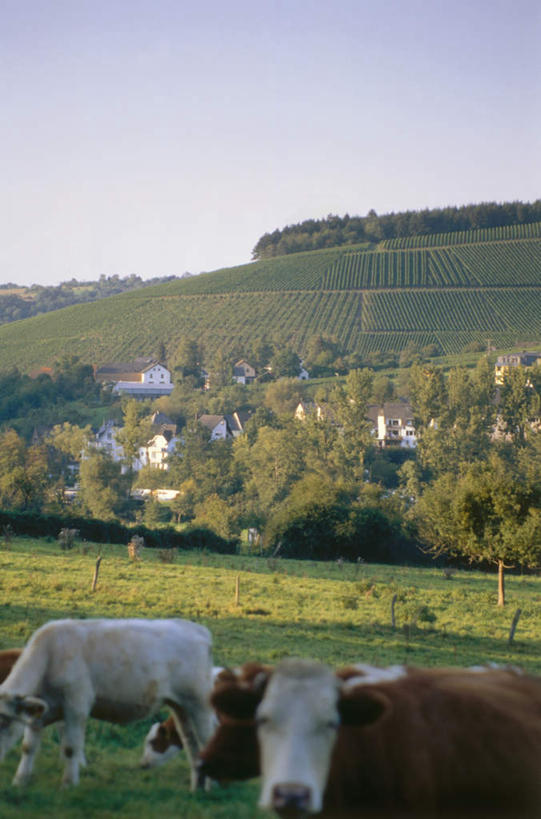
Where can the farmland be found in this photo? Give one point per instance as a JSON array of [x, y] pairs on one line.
[[447, 290], [332, 612]]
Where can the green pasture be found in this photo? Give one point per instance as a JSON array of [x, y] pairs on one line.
[[337, 613]]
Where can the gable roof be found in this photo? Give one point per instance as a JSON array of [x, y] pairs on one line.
[[129, 371]]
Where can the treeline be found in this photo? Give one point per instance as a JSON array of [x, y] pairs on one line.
[[30, 301], [334, 231]]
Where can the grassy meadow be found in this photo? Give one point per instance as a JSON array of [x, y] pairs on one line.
[[331, 612]]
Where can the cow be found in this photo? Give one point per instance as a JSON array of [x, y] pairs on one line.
[[385, 741], [114, 670], [162, 742]]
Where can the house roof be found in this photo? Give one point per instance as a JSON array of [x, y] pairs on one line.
[[211, 421], [237, 420], [129, 371]]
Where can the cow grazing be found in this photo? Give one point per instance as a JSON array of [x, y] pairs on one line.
[[114, 670], [385, 741], [162, 742]]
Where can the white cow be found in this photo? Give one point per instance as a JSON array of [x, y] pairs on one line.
[[114, 670]]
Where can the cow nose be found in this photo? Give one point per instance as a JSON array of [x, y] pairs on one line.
[[290, 797]]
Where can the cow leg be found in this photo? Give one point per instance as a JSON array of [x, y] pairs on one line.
[[31, 743], [82, 758], [190, 740], [73, 740]]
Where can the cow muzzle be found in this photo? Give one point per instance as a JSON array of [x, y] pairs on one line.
[[291, 799]]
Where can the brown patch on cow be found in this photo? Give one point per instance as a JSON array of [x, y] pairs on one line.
[[166, 736], [8, 658]]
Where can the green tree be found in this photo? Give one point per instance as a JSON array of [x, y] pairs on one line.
[[23, 472], [103, 488], [491, 512], [349, 406], [285, 363], [216, 514], [187, 359], [519, 404], [135, 433], [283, 396]]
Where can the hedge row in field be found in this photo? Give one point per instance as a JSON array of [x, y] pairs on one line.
[[100, 531]]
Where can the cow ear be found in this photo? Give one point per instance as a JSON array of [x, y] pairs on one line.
[[235, 701], [30, 708], [362, 706]]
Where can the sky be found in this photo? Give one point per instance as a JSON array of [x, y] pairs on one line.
[[157, 137]]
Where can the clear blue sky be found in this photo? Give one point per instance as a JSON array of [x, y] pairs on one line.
[[159, 136]]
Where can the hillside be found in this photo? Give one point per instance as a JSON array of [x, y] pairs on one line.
[[446, 289]]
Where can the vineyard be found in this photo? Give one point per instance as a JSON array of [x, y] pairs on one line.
[[441, 291]]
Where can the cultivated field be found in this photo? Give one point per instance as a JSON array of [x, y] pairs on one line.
[[447, 290], [332, 612]]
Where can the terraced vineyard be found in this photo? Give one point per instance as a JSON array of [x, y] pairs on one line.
[[447, 290]]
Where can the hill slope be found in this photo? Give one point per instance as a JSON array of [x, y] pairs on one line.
[[447, 290]]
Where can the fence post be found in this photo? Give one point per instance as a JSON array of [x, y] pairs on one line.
[[237, 590], [514, 626], [393, 601], [96, 573]]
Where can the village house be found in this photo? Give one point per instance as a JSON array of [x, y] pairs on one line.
[[154, 453], [243, 373], [393, 424], [504, 363], [141, 378], [222, 427]]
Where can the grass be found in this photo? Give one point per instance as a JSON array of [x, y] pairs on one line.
[[331, 612]]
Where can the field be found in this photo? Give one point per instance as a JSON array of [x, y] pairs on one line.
[[332, 612], [448, 290]]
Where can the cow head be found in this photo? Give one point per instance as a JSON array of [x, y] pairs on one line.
[[291, 715], [16, 712]]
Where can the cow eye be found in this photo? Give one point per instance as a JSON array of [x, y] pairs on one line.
[[333, 725], [261, 721]]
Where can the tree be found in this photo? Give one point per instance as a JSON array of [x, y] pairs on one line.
[[271, 464], [492, 513], [283, 396], [187, 358], [135, 432], [427, 393], [285, 363], [102, 486], [349, 405], [215, 514], [23, 472], [519, 404]]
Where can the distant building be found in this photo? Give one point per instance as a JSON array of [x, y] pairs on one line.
[[504, 363], [222, 427], [243, 373], [141, 378], [393, 424]]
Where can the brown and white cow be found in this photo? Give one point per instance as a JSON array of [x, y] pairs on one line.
[[162, 742], [430, 741], [114, 670]]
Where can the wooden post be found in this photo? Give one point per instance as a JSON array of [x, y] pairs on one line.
[[237, 590], [514, 626], [393, 601], [96, 573], [501, 584]]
